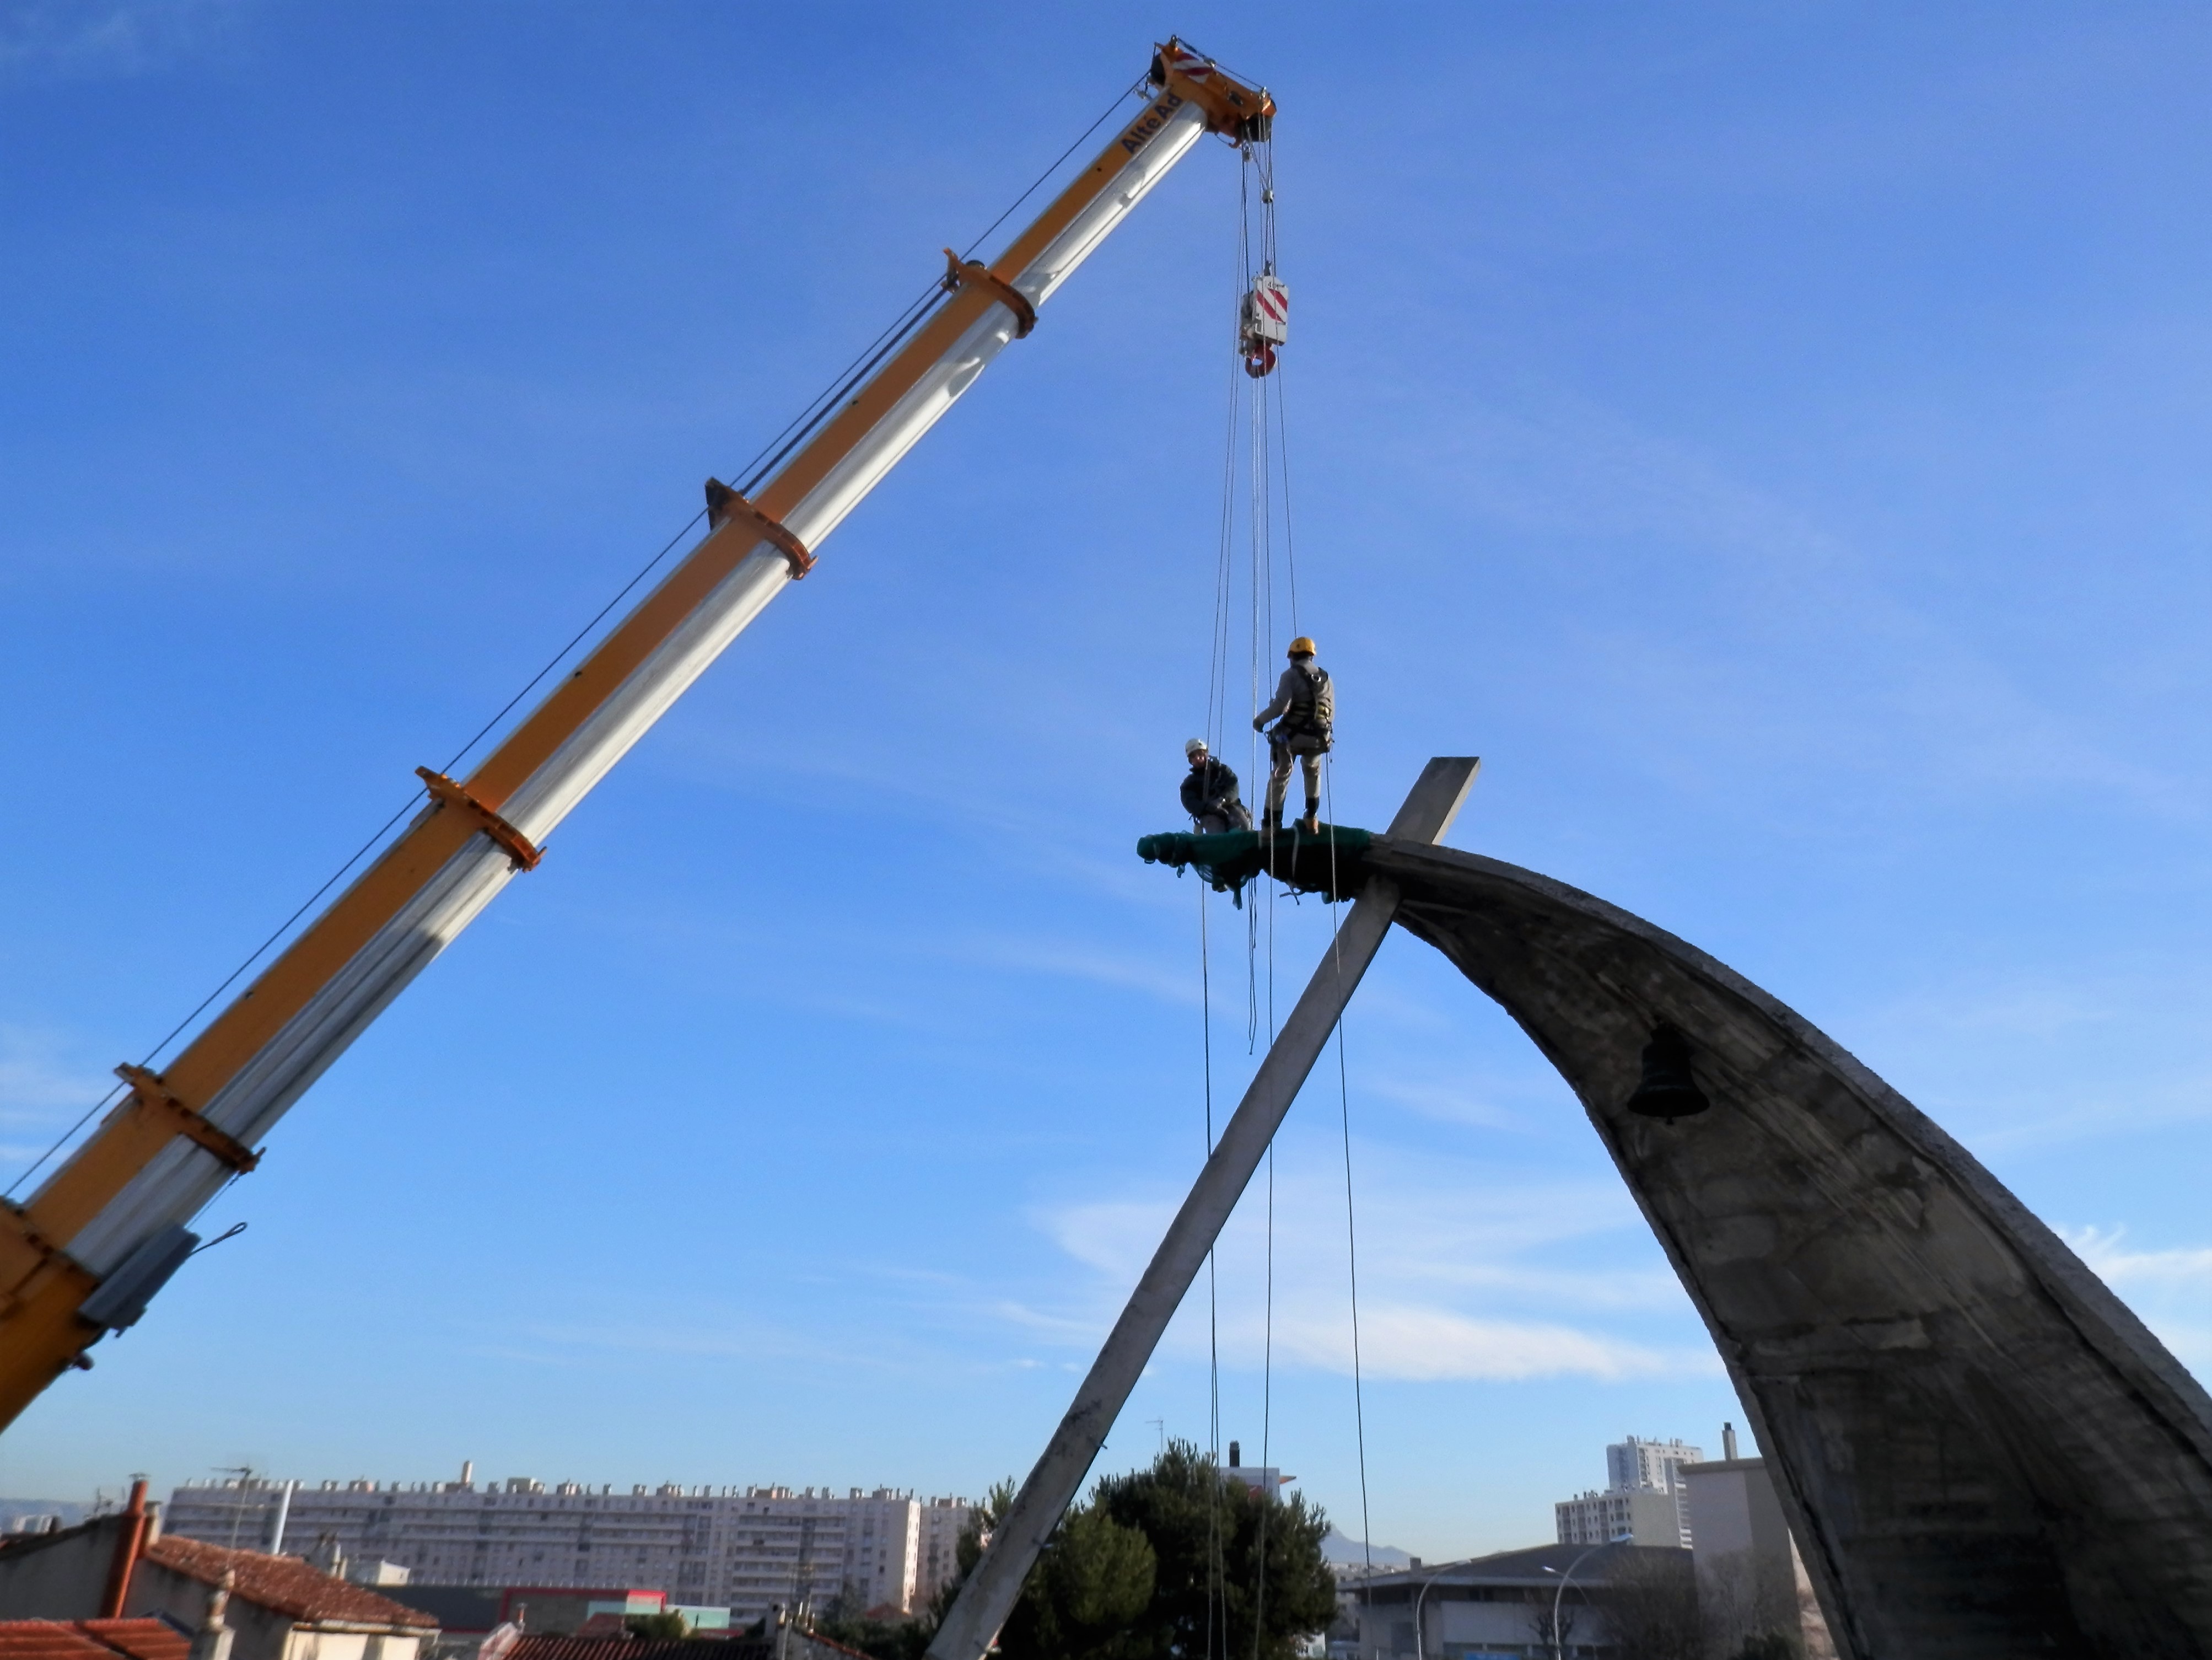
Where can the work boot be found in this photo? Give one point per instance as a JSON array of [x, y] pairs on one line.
[[1310, 824], [1271, 824]]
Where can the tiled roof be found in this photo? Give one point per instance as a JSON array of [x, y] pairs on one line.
[[550, 1647], [141, 1639], [91, 1639], [284, 1584]]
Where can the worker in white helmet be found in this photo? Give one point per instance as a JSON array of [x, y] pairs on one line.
[[1209, 793], [1306, 703]]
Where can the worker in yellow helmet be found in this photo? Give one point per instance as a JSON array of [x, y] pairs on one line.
[[1306, 703]]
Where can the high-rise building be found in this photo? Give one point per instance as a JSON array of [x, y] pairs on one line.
[[1644, 1499], [748, 1549], [938, 1556], [1639, 1466], [1635, 1465], [1598, 1518]]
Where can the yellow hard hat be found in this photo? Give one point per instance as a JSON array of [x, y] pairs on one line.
[[1302, 647]]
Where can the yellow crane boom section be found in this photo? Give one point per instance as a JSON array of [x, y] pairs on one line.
[[50, 1261]]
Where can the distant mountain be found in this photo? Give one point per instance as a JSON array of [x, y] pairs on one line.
[[1345, 1552]]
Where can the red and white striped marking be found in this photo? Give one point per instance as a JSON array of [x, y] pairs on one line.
[[1188, 63]]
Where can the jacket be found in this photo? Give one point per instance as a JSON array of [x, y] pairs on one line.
[[1306, 700], [1210, 788]]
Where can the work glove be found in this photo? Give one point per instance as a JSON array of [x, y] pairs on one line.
[[1259, 723]]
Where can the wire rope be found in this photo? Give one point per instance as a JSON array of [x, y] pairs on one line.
[[881, 346], [1290, 538], [1351, 1221], [862, 364], [1267, 1411], [1213, 1328], [1261, 564]]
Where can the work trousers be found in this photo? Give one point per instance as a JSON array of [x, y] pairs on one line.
[[1307, 748]]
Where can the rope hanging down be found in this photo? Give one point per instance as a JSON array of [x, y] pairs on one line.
[[1254, 496], [1256, 425]]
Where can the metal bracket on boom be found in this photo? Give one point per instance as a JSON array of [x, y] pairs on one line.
[[723, 502], [958, 274], [519, 847], [188, 1122], [1234, 110]]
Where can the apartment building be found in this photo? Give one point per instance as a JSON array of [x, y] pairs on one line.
[[943, 1521], [747, 1549], [1598, 1518], [1645, 1499]]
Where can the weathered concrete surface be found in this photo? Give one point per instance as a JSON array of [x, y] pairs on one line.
[[1983, 1454]]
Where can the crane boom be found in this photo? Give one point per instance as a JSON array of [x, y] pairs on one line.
[[103, 1233]]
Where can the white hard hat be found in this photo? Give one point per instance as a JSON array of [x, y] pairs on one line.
[[1194, 746]]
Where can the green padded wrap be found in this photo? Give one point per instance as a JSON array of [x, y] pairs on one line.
[[1328, 863]]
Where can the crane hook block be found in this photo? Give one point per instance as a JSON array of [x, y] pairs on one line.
[[1263, 323], [448, 793], [724, 503], [958, 273]]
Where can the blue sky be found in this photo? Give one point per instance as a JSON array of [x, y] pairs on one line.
[[1773, 436]]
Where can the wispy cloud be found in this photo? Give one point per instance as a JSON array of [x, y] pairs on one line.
[[1150, 975], [1821, 658], [98, 38], [1482, 1102], [1462, 1276], [1420, 1344], [39, 1082], [2105, 1250], [2018, 1059], [2099, 1111], [734, 1337], [2171, 1289]]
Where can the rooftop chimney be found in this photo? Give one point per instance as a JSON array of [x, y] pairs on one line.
[[468, 1471], [1728, 1442], [129, 1540], [1236, 1456]]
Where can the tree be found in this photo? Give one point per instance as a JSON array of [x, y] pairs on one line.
[[1091, 1583], [883, 1639], [1649, 1599], [1086, 1594], [667, 1624], [1552, 1621], [1157, 1559], [1230, 1562]]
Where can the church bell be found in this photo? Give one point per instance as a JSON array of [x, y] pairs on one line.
[[1667, 1090]]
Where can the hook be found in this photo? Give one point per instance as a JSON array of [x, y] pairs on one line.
[[230, 1232]]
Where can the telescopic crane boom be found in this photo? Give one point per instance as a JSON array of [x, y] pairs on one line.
[[82, 1256]]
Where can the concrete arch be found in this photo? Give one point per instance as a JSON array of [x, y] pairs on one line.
[[1983, 1453]]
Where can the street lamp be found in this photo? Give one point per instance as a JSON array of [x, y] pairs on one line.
[[1557, 1651], [1419, 1653]]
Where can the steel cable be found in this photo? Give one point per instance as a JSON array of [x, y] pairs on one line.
[[861, 365]]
